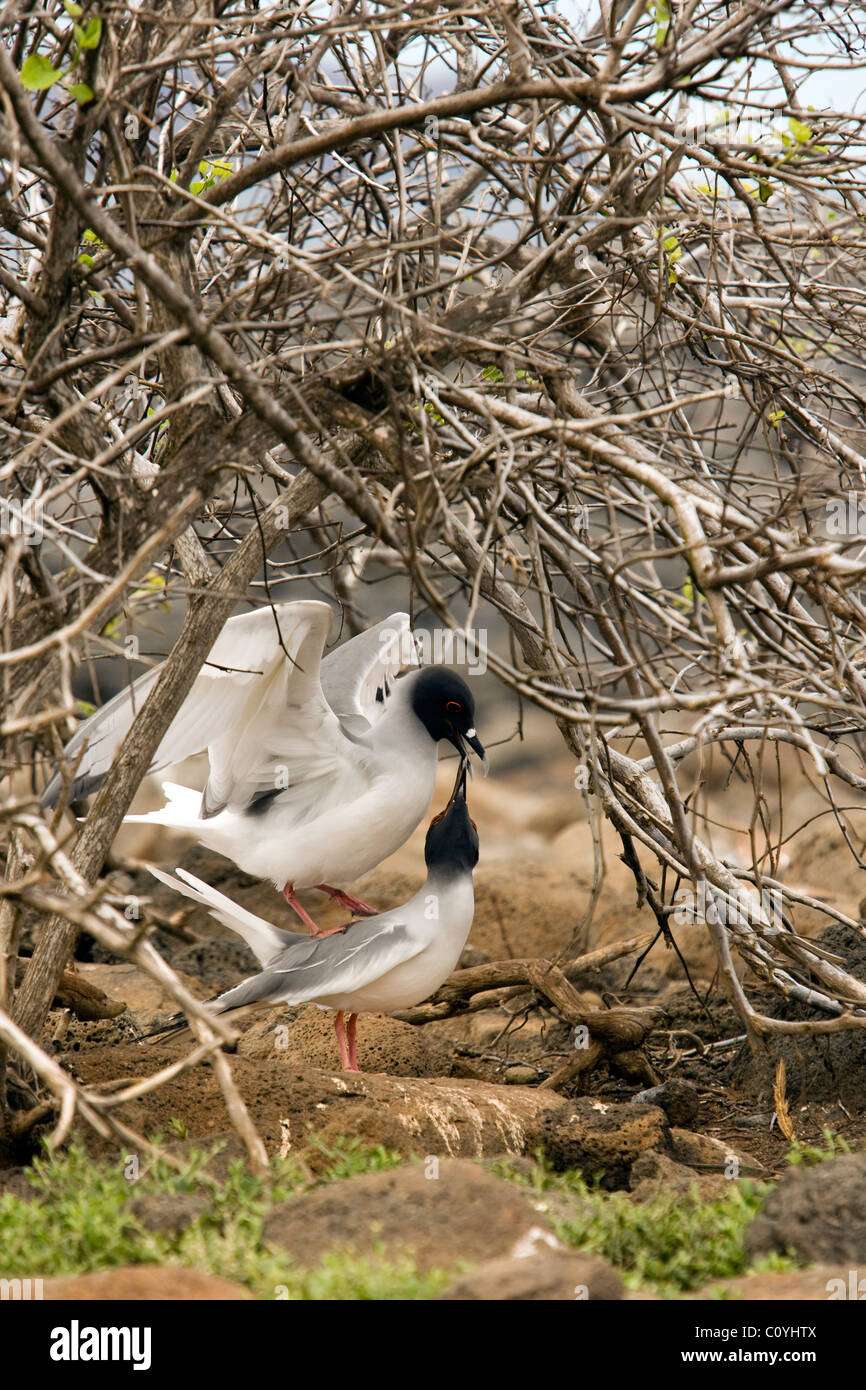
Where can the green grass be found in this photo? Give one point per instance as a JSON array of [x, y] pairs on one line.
[[671, 1245], [80, 1221], [807, 1155]]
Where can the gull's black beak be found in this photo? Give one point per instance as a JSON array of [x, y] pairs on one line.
[[471, 740], [458, 792], [452, 837]]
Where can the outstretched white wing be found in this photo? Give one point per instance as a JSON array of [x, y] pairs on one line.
[[359, 676], [234, 683], [277, 720]]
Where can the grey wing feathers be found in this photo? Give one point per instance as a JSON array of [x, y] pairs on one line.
[[101, 735], [330, 965], [355, 958], [298, 968], [358, 676]]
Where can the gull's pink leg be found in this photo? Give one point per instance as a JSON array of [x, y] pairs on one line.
[[289, 895], [355, 905], [351, 1032], [340, 1030]]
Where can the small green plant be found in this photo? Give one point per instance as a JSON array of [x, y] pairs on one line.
[[343, 1274], [671, 1244], [660, 11], [672, 253], [798, 142], [431, 410], [83, 1220], [93, 240], [807, 1155]]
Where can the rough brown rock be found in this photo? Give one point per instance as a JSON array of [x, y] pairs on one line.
[[441, 1211], [141, 1283], [706, 1154], [520, 1076], [13, 1183], [601, 1139], [138, 991], [820, 1284], [656, 1175], [413, 1115], [170, 1212], [465, 1119], [551, 1276], [817, 1213], [680, 1101], [826, 1068]]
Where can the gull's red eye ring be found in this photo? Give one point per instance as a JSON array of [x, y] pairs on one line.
[[454, 705], [474, 826], [437, 818]]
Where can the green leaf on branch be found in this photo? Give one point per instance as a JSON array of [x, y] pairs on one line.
[[88, 37], [803, 135], [75, 11], [38, 74], [673, 251], [212, 171], [81, 92], [660, 11]]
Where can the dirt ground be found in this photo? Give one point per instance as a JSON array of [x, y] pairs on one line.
[[471, 1086], [532, 888]]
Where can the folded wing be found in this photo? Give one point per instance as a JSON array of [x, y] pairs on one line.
[[304, 968]]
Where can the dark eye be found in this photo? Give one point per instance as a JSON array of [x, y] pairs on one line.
[[474, 826], [455, 706]]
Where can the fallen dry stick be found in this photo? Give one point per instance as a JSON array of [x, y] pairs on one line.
[[617, 1034], [85, 1000], [455, 995]]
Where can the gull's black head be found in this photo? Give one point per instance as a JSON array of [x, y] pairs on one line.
[[452, 840], [443, 702]]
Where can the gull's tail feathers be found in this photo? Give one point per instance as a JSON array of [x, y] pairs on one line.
[[264, 939]]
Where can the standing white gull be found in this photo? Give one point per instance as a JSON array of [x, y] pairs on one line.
[[319, 768], [390, 962]]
